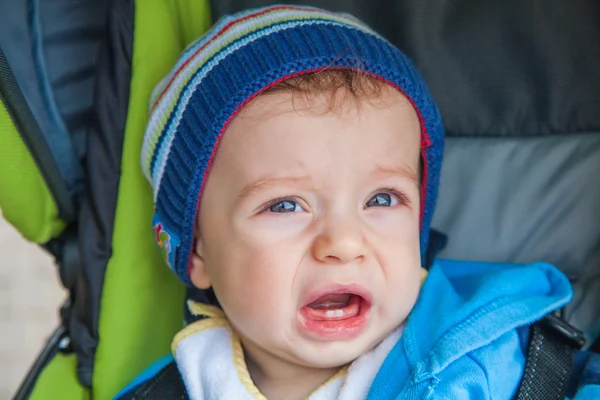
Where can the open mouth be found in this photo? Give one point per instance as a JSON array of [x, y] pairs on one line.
[[339, 314], [334, 307]]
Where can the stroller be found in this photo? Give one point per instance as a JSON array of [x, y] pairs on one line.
[[516, 82]]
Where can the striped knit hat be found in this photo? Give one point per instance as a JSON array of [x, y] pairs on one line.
[[240, 57]]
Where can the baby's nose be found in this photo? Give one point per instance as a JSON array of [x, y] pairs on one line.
[[340, 241]]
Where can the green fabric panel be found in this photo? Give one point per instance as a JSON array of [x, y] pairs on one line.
[[193, 19], [25, 200], [59, 381], [142, 301]]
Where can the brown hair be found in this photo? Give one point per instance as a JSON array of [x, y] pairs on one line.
[[337, 85]]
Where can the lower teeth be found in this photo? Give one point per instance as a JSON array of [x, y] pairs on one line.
[[334, 313]]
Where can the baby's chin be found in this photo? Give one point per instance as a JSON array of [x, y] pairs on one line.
[[335, 354]]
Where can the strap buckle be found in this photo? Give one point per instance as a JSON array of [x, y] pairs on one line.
[[566, 332]]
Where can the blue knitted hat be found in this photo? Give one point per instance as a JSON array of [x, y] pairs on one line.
[[240, 57]]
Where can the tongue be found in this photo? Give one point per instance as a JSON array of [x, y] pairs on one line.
[[333, 307], [331, 301]]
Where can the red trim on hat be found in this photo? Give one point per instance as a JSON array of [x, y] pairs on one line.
[[425, 140]]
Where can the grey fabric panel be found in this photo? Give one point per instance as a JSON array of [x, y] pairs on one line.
[[524, 200]]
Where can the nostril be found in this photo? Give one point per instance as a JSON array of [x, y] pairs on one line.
[[337, 259]]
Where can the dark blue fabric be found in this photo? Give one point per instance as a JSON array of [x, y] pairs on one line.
[[57, 135], [23, 42], [587, 376], [591, 372]]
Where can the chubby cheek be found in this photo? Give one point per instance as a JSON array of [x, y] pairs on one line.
[[401, 264], [254, 284], [403, 290], [402, 286]]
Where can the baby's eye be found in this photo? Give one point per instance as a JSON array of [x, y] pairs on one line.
[[382, 200], [285, 206]]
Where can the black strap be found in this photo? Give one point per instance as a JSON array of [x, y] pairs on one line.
[[167, 384], [595, 347], [437, 243], [549, 362]]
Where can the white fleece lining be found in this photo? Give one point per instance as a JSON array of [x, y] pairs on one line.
[[206, 359]]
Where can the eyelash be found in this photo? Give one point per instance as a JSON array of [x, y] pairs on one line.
[[265, 207], [401, 197]]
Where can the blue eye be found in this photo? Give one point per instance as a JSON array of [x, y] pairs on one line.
[[382, 200], [284, 206]]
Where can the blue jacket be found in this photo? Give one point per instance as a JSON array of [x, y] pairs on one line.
[[467, 336]]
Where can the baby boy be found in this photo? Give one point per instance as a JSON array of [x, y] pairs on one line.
[[294, 156]]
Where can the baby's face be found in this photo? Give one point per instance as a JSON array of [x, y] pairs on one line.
[[309, 227]]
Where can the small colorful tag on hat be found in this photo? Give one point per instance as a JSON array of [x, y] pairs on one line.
[[167, 242]]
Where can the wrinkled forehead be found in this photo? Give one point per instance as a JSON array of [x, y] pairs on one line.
[[275, 130]]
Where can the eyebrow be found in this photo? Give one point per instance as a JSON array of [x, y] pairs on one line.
[[268, 181], [394, 170]]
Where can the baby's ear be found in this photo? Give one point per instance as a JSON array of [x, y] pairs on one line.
[[198, 273]]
